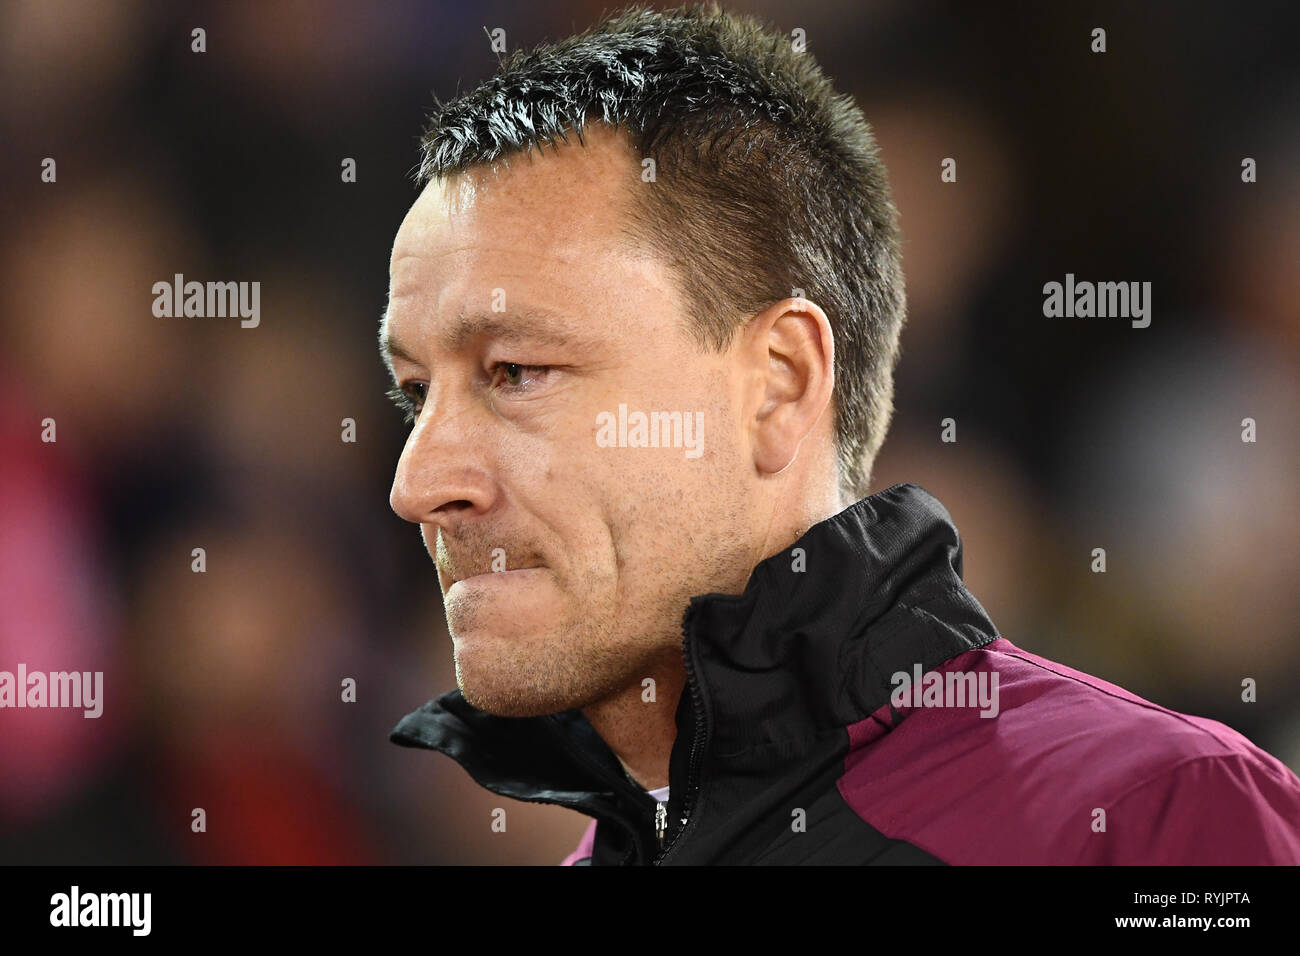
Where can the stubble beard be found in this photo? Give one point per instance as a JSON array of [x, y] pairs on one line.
[[550, 668]]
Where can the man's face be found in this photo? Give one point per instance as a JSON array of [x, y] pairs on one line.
[[523, 320]]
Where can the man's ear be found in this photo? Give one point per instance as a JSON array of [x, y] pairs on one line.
[[790, 352]]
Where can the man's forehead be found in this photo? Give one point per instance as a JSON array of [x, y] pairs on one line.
[[428, 215], [547, 236], [570, 195]]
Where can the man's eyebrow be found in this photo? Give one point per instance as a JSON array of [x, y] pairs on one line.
[[526, 325], [532, 325], [390, 348]]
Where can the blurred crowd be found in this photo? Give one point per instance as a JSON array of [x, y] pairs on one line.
[[223, 689]]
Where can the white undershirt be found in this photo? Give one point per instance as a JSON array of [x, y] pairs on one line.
[[660, 795]]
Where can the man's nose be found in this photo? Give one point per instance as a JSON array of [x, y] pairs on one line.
[[442, 474]]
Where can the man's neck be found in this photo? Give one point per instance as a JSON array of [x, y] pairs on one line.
[[640, 726]]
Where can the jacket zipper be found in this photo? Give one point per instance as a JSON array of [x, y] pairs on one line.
[[693, 764]]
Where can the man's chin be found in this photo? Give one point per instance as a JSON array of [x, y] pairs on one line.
[[501, 676], [509, 705], [504, 700]]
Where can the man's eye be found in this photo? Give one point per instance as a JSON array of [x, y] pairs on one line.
[[409, 397], [513, 376]]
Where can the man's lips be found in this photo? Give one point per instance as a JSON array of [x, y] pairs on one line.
[[496, 578]]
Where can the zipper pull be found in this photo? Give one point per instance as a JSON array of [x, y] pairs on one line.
[[661, 822]]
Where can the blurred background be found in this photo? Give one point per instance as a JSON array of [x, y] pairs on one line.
[[223, 690]]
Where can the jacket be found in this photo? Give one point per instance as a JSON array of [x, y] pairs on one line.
[[855, 705]]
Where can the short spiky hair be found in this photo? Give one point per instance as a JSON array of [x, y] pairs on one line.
[[767, 181]]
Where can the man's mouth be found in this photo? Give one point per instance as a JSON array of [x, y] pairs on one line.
[[479, 574], [495, 579]]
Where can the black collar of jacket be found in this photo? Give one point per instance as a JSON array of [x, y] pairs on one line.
[[774, 676]]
